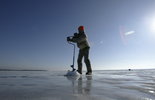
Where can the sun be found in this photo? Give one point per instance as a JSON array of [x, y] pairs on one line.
[[152, 25]]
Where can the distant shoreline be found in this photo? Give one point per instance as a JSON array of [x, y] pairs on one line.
[[20, 70]]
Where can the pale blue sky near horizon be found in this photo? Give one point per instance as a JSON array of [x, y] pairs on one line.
[[33, 33]]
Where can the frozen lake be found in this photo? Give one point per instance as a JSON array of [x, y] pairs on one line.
[[102, 85]]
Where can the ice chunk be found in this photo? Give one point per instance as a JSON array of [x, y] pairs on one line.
[[72, 73]]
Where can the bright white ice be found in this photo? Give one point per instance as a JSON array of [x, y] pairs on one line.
[[102, 85]]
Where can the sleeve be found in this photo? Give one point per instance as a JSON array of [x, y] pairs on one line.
[[82, 37]]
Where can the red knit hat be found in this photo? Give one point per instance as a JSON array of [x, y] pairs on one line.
[[81, 28]]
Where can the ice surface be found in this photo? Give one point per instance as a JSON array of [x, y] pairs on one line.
[[102, 85]]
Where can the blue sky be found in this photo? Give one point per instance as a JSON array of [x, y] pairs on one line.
[[33, 33]]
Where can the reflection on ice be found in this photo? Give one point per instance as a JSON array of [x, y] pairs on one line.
[[79, 85], [151, 91], [102, 85]]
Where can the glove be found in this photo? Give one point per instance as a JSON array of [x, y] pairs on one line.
[[75, 35], [69, 39]]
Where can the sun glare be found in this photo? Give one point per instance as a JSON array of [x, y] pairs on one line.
[[152, 25]]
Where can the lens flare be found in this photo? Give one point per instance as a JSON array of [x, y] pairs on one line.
[[129, 33], [124, 34]]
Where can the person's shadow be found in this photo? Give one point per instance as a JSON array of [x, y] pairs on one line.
[[81, 84]]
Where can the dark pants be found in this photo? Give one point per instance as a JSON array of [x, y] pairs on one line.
[[84, 53]]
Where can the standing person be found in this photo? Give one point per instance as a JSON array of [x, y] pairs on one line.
[[81, 39]]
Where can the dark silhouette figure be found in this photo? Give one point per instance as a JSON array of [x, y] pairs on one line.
[[81, 39]]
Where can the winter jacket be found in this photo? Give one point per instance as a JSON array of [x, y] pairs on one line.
[[81, 40]]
